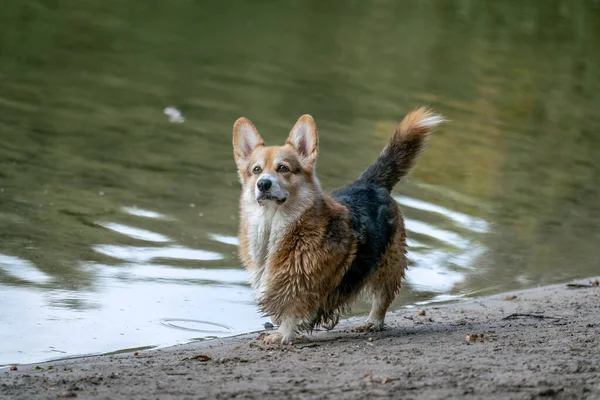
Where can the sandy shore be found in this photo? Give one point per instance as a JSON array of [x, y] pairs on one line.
[[545, 343]]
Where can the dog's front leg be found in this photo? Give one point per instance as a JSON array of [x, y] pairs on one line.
[[285, 334]]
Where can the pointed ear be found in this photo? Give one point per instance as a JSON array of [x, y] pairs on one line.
[[245, 140], [304, 139]]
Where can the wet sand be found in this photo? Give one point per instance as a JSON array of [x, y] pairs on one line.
[[543, 343]]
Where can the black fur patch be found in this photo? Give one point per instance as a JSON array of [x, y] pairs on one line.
[[373, 214], [374, 220]]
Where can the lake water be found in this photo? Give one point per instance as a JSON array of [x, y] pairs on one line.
[[118, 228]]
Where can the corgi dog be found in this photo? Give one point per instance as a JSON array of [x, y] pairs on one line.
[[310, 254]]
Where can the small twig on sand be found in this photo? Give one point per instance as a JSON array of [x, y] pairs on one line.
[[309, 345], [538, 316]]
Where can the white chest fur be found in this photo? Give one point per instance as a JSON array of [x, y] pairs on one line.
[[266, 225]]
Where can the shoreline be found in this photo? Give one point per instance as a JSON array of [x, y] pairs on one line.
[[543, 342]]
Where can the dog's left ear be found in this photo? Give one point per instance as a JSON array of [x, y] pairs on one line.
[[304, 139]]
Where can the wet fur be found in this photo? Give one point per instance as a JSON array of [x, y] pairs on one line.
[[310, 255]]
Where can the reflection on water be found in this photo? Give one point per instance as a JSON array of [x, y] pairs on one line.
[[135, 233], [143, 213], [222, 276], [233, 240], [117, 226], [467, 221], [145, 254], [22, 270]]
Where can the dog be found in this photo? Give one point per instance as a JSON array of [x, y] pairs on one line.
[[310, 254]]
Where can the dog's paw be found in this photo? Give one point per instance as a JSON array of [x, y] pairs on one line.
[[276, 338], [329, 326], [370, 327]]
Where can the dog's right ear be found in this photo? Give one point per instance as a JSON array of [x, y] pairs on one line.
[[304, 139], [245, 140]]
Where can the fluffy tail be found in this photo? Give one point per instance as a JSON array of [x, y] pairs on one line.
[[398, 157]]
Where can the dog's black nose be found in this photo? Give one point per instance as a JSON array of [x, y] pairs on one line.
[[264, 184]]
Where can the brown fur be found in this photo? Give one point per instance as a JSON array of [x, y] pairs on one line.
[[399, 156], [308, 265], [300, 251]]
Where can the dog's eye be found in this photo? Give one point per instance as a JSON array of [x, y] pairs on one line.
[[257, 170], [282, 169]]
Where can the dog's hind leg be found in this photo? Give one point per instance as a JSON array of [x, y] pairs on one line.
[[331, 323], [384, 285]]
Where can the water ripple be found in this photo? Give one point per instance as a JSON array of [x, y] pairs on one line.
[[440, 268], [23, 270], [232, 240], [196, 325], [473, 223], [135, 233], [157, 271], [145, 254], [139, 212], [431, 231]]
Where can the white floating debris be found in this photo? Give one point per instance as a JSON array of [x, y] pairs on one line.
[[175, 116]]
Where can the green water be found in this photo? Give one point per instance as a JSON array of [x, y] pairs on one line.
[[117, 226]]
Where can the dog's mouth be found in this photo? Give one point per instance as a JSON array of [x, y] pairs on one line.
[[265, 197]]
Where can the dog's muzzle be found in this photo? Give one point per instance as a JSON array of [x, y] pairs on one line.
[[269, 190]]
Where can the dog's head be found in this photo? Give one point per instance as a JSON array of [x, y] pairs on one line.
[[277, 176]]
